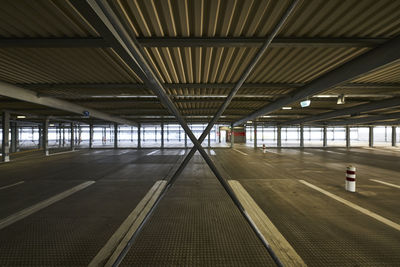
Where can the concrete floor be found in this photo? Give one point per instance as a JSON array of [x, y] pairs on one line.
[[196, 224]]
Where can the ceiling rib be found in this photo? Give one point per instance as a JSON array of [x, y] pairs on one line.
[[365, 120]]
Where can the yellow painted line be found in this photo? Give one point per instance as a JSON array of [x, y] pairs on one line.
[[119, 240], [11, 185], [354, 206], [240, 152], [41, 205], [281, 247], [385, 183]]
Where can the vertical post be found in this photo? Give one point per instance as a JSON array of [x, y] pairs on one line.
[[232, 135], [46, 136], [40, 132], [301, 135], [138, 136], [371, 136], [209, 140], [14, 137], [72, 137], [59, 135], [185, 140], [90, 136], [63, 135], [5, 148], [255, 134], [115, 135], [279, 136], [394, 135], [162, 134], [325, 137], [219, 134], [347, 136]]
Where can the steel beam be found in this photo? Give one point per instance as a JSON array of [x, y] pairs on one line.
[[93, 10], [381, 104], [53, 43], [301, 136], [394, 135], [5, 147], [72, 144], [255, 134], [371, 136], [46, 137], [375, 58], [19, 93], [279, 137], [90, 136], [139, 145], [366, 120], [115, 135], [325, 137], [347, 136]]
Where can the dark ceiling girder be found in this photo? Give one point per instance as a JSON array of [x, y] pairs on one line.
[[366, 120], [382, 104], [193, 42], [375, 58]]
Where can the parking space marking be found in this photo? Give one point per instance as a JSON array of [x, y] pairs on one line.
[[151, 153], [385, 183], [354, 206], [41, 205], [240, 152], [11, 185]]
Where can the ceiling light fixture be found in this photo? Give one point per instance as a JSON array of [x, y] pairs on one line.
[[305, 103], [21, 117], [287, 108], [341, 99]]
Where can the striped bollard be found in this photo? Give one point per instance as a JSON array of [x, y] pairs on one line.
[[264, 149], [351, 179]]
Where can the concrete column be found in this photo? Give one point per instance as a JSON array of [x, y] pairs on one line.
[[255, 134], [138, 136], [232, 136], [209, 139], [115, 135], [72, 136], [162, 134], [279, 136], [40, 131], [301, 136], [347, 136], [394, 135], [63, 136], [5, 148], [371, 136], [59, 135], [185, 140], [14, 137], [90, 136], [325, 137], [46, 136]]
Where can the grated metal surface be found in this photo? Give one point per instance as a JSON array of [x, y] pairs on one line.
[[196, 224]]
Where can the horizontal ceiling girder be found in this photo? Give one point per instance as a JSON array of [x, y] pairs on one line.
[[22, 94], [195, 42], [382, 104], [373, 59], [365, 120]]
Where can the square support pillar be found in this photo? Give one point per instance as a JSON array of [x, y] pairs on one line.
[[347, 136], [301, 136], [46, 137], [279, 136], [40, 131], [325, 137], [115, 135], [90, 136], [209, 140], [232, 136], [255, 134], [5, 148], [138, 136], [185, 140], [371, 136], [162, 134], [394, 135], [14, 137], [72, 137], [63, 136]]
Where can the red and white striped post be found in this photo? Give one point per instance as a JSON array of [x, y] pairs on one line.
[[264, 148], [351, 179]]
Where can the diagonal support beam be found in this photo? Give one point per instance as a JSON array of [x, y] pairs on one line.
[[100, 14], [382, 104], [375, 58], [16, 92]]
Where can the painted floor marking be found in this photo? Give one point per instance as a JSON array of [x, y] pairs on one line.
[[385, 183], [64, 152], [119, 240], [354, 206], [283, 250], [11, 185], [151, 153], [240, 152], [41, 205]]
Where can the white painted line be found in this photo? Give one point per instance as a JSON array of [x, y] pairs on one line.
[[182, 152], [240, 152], [118, 241], [307, 153], [41, 205], [11, 185], [212, 152], [334, 152], [354, 206], [59, 153], [151, 153], [283, 250], [385, 183]]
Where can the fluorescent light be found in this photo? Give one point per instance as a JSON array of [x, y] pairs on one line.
[[305, 103], [249, 121], [286, 107], [325, 96], [341, 100], [21, 117], [267, 116], [51, 125]]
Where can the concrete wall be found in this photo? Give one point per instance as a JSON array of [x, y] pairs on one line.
[[240, 134]]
